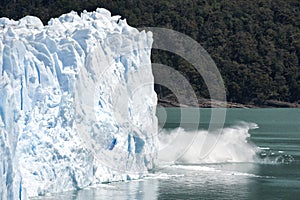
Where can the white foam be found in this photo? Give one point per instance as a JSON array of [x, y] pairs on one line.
[[195, 168], [161, 175], [204, 168], [234, 173], [180, 146]]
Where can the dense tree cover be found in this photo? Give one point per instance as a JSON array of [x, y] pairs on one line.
[[255, 44]]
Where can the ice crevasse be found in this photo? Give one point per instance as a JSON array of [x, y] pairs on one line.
[[77, 103]]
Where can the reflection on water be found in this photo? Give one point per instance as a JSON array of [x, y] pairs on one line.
[[143, 189], [137, 189], [208, 182], [215, 181]]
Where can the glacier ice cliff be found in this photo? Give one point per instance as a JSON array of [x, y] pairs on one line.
[[77, 104]]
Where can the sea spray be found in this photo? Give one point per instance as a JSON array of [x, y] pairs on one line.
[[232, 145]]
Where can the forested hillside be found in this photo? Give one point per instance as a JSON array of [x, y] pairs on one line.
[[255, 44]]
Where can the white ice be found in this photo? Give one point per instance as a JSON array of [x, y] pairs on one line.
[[77, 104]]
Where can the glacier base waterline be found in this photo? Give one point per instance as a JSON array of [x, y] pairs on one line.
[[77, 103]]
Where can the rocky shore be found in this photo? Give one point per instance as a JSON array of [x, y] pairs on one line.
[[207, 103]]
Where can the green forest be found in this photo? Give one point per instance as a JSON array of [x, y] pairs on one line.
[[255, 44]]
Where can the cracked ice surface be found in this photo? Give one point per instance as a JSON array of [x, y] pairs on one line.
[[77, 104]]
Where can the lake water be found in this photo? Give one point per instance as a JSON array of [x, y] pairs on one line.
[[229, 170]]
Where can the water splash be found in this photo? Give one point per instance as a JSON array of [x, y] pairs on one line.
[[232, 145], [269, 156]]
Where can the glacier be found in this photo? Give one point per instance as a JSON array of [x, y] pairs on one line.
[[77, 104]]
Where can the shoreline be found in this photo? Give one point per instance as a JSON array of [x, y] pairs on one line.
[[207, 103]]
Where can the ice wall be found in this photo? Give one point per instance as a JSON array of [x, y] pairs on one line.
[[77, 104]]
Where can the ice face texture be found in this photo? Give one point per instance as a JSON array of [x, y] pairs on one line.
[[77, 104]]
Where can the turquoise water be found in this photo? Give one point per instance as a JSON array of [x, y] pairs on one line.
[[279, 128], [274, 174]]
